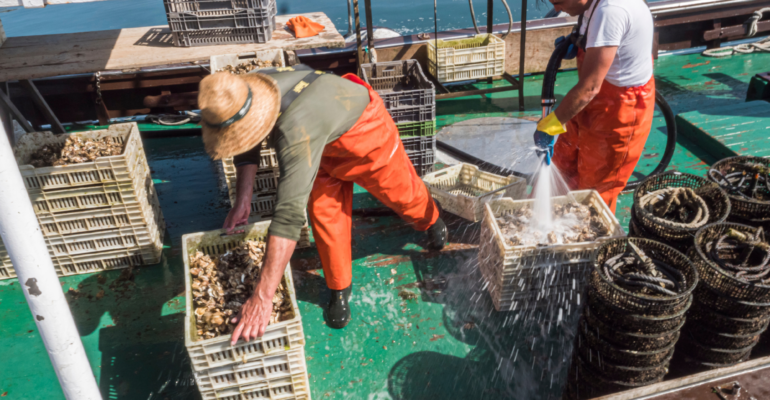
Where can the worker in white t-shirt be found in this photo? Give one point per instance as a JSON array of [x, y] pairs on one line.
[[603, 122]]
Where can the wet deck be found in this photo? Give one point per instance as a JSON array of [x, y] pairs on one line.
[[446, 343]]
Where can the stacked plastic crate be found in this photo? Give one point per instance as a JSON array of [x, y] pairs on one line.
[[214, 22], [96, 215], [270, 367], [411, 100], [478, 57]]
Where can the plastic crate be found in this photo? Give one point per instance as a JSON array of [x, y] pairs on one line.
[[413, 114], [6, 268], [416, 129], [218, 62], [212, 5], [295, 387], [422, 161], [419, 144], [120, 168], [216, 362], [502, 264], [224, 36], [220, 19], [481, 56], [263, 369], [402, 86], [461, 189], [116, 259], [126, 193]]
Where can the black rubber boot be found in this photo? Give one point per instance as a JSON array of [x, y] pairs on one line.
[[338, 313], [437, 235]]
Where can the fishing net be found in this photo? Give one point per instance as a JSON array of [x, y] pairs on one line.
[[712, 319], [734, 260], [673, 205], [730, 306], [746, 181], [629, 322], [642, 276]]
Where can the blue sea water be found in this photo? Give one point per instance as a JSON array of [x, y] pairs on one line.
[[403, 16]]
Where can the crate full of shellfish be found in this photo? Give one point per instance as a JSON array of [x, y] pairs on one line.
[[514, 257], [221, 272], [106, 156], [243, 63]]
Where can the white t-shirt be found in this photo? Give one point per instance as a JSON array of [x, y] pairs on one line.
[[627, 24]]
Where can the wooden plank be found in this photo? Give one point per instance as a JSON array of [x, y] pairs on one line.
[[730, 130], [43, 106], [34, 57]]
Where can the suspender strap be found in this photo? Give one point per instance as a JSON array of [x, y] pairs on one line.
[[292, 94]]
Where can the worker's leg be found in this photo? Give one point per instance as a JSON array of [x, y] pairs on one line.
[[618, 122], [330, 208], [371, 154], [565, 155]]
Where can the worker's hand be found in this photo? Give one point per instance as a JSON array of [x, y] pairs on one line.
[[253, 318], [547, 129], [238, 215], [571, 51]]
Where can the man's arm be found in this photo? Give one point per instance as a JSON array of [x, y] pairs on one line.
[[595, 66], [255, 313], [244, 188]]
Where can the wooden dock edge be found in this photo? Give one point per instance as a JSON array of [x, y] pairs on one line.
[[666, 387]]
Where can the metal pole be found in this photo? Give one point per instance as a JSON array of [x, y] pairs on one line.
[[350, 20], [370, 30], [490, 23], [522, 53], [358, 37], [24, 242]]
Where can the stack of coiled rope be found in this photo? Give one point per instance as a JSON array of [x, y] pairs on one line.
[[731, 308], [638, 295]]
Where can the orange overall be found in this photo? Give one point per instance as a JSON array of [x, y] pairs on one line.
[[605, 140], [371, 155]]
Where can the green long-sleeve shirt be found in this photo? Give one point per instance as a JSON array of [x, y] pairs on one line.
[[324, 111]]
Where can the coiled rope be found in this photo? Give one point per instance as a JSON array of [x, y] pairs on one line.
[[636, 272], [746, 48], [733, 250], [676, 208], [174, 119], [752, 183]]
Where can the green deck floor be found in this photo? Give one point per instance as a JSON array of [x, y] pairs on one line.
[[446, 343]]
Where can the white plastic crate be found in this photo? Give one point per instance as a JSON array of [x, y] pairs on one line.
[[462, 189], [214, 359], [295, 387], [121, 168], [219, 62], [456, 73], [501, 264], [268, 164], [6, 268], [477, 57], [268, 368], [115, 259]]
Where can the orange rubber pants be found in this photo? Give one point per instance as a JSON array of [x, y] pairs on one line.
[[370, 154], [604, 142]]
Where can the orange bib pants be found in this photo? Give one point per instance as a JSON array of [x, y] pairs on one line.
[[370, 154], [604, 142]]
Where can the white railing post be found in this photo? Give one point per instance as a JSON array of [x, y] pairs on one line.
[[24, 242]]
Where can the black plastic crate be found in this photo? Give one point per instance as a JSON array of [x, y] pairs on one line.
[[218, 20], [422, 160], [419, 144], [222, 36], [213, 5], [408, 95]]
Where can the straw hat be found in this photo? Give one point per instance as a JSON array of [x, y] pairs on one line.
[[237, 111]]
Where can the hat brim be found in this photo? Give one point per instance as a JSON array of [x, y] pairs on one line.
[[249, 131]]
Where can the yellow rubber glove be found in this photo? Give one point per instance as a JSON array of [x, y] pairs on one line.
[[551, 125]]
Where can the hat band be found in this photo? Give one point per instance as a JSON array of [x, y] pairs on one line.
[[238, 116]]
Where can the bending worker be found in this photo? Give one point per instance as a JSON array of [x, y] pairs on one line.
[[329, 132], [603, 122]]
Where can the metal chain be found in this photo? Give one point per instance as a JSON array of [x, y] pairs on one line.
[[98, 79]]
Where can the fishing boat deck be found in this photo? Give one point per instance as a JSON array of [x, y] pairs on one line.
[[448, 342]]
